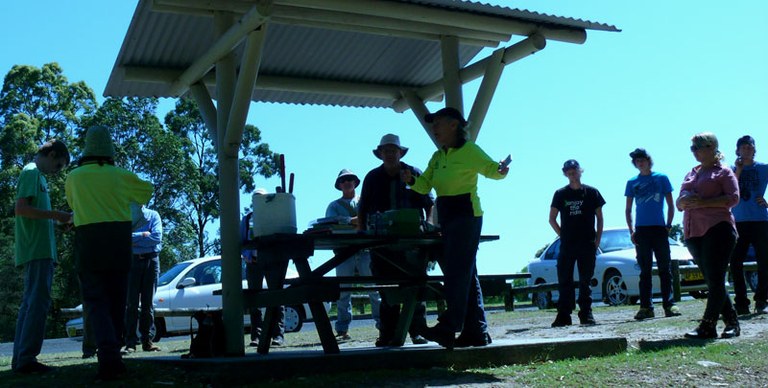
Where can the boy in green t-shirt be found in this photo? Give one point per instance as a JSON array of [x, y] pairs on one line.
[[35, 247]]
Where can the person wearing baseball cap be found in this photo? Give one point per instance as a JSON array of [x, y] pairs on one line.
[[382, 191], [453, 172], [580, 206], [344, 210], [650, 232], [751, 215]]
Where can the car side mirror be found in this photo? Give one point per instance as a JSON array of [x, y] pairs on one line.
[[186, 282]]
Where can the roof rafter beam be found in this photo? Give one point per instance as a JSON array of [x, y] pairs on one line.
[[271, 82], [517, 51], [224, 45], [392, 16], [419, 13]]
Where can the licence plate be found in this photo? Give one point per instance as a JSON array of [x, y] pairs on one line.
[[693, 276]]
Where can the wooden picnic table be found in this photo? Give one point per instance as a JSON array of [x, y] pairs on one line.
[[314, 288]]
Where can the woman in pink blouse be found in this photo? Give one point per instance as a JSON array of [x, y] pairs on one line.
[[708, 193]]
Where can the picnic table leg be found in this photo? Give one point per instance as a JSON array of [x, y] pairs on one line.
[[265, 339], [406, 316], [319, 315]]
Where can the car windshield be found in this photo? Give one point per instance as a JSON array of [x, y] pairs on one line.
[[171, 274], [616, 240]]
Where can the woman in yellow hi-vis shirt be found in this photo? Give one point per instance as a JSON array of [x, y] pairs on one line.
[[452, 172]]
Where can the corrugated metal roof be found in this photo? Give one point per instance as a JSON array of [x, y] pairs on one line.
[[172, 41]]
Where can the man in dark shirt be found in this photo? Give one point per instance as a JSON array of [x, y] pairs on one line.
[[578, 205], [383, 190]]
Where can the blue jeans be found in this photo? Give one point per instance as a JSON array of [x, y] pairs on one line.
[[583, 254], [654, 240], [142, 283], [756, 234], [360, 263], [463, 296], [711, 253], [33, 311], [255, 273]]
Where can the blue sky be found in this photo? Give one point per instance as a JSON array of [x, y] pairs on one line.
[[677, 68]]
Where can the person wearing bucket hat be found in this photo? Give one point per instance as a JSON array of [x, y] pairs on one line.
[[580, 207], [35, 252], [650, 190], [383, 190], [751, 215], [344, 210], [707, 194], [100, 194], [453, 172]]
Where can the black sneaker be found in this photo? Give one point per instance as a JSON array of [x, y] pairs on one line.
[[443, 337], [742, 309], [418, 340], [760, 308], [586, 318], [562, 320], [33, 367], [465, 341]]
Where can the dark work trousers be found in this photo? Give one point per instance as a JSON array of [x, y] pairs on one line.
[[572, 254], [463, 296], [653, 241], [273, 269], [389, 312], [103, 260], [104, 296], [711, 253], [142, 283], [755, 233]]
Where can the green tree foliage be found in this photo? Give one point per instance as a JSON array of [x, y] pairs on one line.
[[36, 104], [200, 199]]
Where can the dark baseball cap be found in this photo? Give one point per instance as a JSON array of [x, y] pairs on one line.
[[570, 164], [745, 140], [639, 153], [446, 112]]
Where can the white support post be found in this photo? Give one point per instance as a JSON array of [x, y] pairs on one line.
[[207, 110], [449, 48], [485, 94], [229, 201], [420, 110], [246, 81]]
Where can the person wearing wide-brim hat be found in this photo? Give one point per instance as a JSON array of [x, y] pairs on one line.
[[382, 191], [345, 210], [100, 194], [452, 172]]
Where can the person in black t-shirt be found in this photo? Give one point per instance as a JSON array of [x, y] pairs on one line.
[[579, 206]]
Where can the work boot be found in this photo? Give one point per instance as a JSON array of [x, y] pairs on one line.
[[465, 341], [707, 330], [418, 339], [645, 313], [443, 337], [743, 309], [562, 320], [586, 318]]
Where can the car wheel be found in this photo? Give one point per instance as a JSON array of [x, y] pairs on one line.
[[294, 318], [543, 299], [615, 288], [752, 280], [159, 329]]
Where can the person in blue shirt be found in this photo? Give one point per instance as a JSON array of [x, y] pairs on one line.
[[650, 232], [344, 210], [258, 267], [147, 238], [751, 215]]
